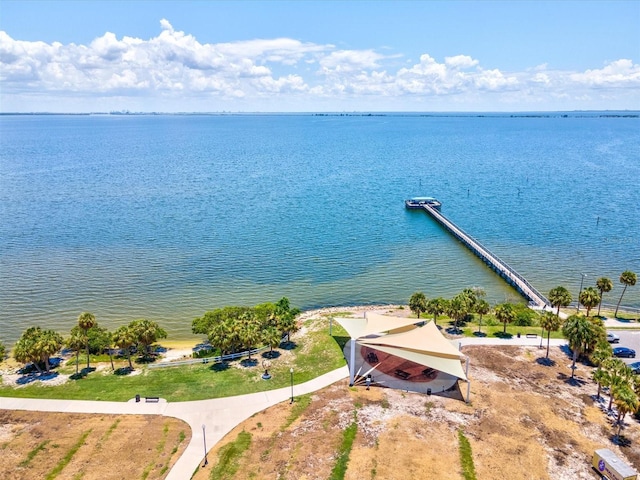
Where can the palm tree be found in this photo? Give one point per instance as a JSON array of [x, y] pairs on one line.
[[605, 285], [551, 323], [437, 306], [505, 313], [124, 338], [589, 297], [285, 317], [147, 333], [26, 348], [618, 375], [559, 297], [250, 336], [600, 377], [482, 308], [458, 308], [76, 343], [48, 344], [626, 401], [272, 337], [473, 294], [600, 356], [579, 332], [418, 303], [86, 320], [108, 336], [627, 278], [219, 336], [3, 351]]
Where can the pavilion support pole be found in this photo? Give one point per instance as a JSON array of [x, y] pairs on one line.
[[352, 362], [468, 381]]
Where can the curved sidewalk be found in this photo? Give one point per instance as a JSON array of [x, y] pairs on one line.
[[216, 417]]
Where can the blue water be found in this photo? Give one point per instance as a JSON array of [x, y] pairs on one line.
[[165, 217]]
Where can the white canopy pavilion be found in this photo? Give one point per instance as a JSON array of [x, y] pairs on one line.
[[401, 338]]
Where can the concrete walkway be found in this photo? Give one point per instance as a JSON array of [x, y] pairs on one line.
[[213, 418]]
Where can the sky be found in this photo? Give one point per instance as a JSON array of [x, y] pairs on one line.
[[319, 56]]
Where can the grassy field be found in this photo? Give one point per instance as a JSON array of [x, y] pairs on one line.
[[313, 353], [38, 445]]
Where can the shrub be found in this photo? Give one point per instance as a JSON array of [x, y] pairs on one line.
[[525, 317]]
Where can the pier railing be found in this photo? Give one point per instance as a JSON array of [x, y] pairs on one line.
[[502, 267]]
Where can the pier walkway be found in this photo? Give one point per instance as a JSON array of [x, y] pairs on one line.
[[503, 269]]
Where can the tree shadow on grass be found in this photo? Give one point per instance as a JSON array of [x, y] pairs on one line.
[[479, 334], [32, 377], [546, 362], [82, 373], [123, 371], [454, 331], [574, 382], [245, 362], [271, 354], [567, 351], [145, 359], [219, 366], [289, 345], [506, 336], [621, 440]]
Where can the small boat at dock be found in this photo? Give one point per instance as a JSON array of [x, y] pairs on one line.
[[420, 202]]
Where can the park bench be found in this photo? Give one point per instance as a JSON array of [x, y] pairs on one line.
[[151, 399], [532, 335], [403, 374]]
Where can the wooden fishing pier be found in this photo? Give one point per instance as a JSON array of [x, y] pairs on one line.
[[513, 278]]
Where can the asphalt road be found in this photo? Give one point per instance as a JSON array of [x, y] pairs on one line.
[[630, 339]]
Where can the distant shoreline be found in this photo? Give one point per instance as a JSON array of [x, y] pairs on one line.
[[523, 114]]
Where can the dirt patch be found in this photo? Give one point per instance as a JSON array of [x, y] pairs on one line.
[[32, 444], [525, 421]]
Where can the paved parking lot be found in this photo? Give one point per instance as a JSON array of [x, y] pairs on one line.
[[630, 339]]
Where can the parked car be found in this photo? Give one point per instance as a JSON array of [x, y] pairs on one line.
[[624, 352], [635, 366], [612, 338]]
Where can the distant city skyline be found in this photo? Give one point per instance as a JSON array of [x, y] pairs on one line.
[[318, 56]]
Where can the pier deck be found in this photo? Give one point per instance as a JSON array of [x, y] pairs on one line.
[[493, 261]]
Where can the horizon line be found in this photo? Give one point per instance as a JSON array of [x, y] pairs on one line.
[[329, 112]]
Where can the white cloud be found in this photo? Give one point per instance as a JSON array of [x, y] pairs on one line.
[[621, 73], [175, 65], [460, 61], [342, 61]]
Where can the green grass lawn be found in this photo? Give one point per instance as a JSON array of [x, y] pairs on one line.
[[316, 354], [470, 330]]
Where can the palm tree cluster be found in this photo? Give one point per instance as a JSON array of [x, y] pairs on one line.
[[583, 335], [37, 346], [587, 335], [467, 302], [591, 297], [234, 329], [623, 384]]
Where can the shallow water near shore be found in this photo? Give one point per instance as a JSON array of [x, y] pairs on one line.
[[165, 217]]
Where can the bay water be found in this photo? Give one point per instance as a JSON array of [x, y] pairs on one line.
[[167, 216]]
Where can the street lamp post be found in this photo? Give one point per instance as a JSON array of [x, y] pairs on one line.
[[291, 372], [204, 437], [580, 292]]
